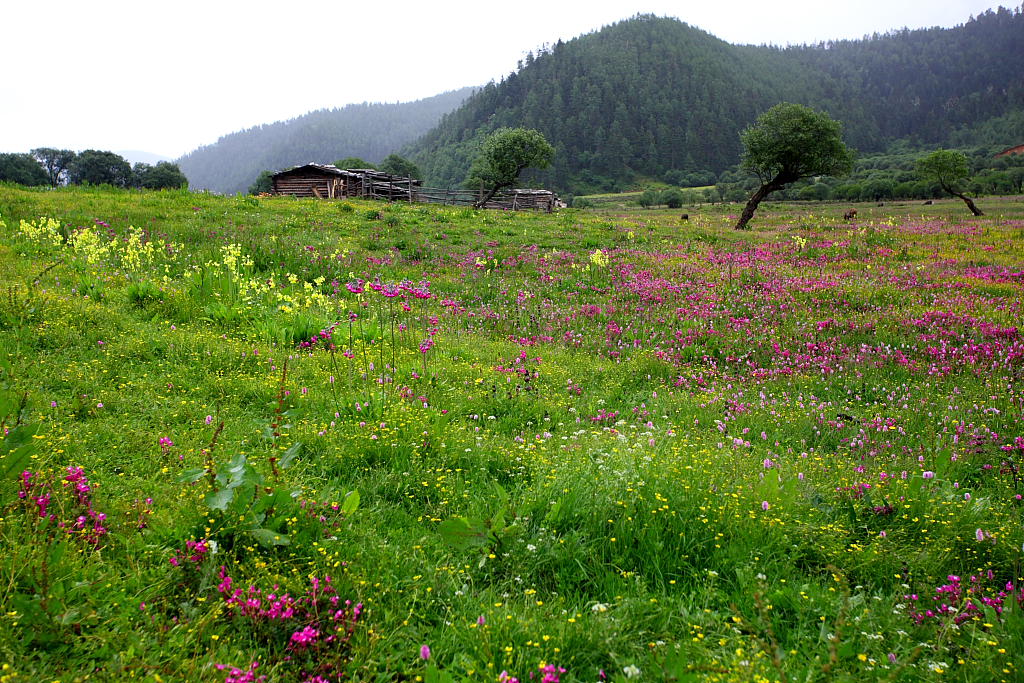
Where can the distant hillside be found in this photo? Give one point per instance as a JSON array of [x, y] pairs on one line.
[[369, 131], [651, 95]]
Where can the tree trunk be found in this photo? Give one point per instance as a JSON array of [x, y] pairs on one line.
[[487, 197], [967, 200], [970, 204], [755, 199]]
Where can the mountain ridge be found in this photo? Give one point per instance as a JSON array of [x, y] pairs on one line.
[[649, 95]]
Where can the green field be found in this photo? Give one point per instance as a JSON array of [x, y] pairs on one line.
[[317, 440]]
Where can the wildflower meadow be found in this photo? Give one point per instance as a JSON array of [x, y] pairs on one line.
[[294, 440]]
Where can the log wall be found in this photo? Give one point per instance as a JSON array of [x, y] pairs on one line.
[[310, 185]]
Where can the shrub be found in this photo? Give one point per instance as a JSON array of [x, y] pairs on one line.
[[672, 198]]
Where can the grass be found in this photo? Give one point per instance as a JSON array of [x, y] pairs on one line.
[[583, 446]]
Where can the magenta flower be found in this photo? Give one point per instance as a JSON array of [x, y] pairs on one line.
[[425, 652]]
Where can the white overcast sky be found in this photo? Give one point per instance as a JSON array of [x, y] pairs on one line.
[[167, 77]]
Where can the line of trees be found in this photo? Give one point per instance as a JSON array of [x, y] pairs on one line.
[[56, 167], [881, 177]]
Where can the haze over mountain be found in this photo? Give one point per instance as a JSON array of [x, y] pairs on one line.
[[649, 95], [369, 130]]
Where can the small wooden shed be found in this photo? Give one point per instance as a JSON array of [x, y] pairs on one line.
[[311, 180], [326, 181]]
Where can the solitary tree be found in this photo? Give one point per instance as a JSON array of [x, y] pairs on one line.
[[56, 162], [504, 155], [789, 142], [164, 175], [948, 169], [96, 168]]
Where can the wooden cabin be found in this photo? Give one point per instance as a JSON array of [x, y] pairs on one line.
[[325, 181], [312, 180]]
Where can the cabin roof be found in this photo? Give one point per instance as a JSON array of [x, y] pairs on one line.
[[371, 174], [328, 169]]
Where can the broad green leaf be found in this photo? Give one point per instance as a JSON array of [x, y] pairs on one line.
[[351, 503], [219, 500], [237, 463], [275, 499], [286, 458], [462, 533], [268, 538], [14, 463], [498, 520], [20, 436], [191, 476]]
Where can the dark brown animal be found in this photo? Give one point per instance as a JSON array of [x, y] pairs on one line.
[[685, 217], [850, 215]]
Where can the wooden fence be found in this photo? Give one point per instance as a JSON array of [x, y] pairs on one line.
[[407, 190]]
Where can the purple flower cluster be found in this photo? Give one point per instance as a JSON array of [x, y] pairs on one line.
[[605, 416], [390, 291], [236, 675], [321, 339], [194, 554], [963, 601], [73, 500], [318, 623], [550, 674]]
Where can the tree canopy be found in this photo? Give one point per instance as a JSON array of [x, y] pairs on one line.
[[504, 154], [264, 183], [56, 162], [948, 168], [164, 175], [354, 162], [22, 169], [400, 166], [98, 168], [789, 142]]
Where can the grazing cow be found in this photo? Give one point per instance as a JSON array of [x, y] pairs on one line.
[[928, 203], [850, 215]]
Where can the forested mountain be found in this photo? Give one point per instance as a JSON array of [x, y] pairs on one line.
[[370, 131], [650, 96]]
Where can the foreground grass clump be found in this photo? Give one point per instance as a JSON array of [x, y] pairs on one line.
[[328, 441]]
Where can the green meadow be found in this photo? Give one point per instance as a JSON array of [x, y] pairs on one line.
[[287, 440]]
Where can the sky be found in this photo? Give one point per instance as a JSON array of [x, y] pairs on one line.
[[167, 78]]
